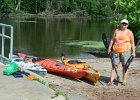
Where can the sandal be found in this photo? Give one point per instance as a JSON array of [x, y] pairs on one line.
[[110, 83], [124, 83]]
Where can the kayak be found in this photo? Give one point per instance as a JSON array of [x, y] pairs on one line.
[[58, 67], [73, 62], [28, 65], [91, 74], [55, 66]]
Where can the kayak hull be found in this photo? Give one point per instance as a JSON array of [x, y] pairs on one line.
[[91, 74], [54, 66], [59, 68]]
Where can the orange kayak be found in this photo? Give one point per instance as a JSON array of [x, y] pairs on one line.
[[54, 66], [91, 74]]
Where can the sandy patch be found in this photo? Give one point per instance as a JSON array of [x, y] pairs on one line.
[[85, 90]]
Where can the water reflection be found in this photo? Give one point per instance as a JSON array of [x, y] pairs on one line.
[[44, 37]]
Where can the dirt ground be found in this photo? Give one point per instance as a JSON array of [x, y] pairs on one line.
[[85, 90]]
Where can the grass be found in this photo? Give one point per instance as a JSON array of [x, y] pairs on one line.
[[90, 46], [61, 93], [138, 49], [96, 46], [58, 92], [40, 81]]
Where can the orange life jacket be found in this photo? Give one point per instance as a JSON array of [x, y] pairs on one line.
[[122, 43]]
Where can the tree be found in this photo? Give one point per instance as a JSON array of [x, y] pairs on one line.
[[129, 9], [18, 5], [78, 7], [6, 6], [33, 6]]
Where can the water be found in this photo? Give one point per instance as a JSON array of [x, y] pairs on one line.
[[44, 36]]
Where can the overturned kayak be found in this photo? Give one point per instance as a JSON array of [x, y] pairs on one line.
[[54, 66], [91, 74]]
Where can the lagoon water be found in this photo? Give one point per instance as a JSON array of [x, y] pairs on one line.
[[44, 37]]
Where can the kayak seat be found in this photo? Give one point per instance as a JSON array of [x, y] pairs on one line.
[[59, 64], [75, 62]]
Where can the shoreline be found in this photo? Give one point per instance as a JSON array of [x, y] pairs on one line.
[[62, 15], [104, 54]]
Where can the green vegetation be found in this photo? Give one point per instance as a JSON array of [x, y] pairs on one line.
[[40, 81], [129, 9], [95, 8], [80, 8], [52, 86], [138, 49], [61, 93], [88, 46], [116, 9]]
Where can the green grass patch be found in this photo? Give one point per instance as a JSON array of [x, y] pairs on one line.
[[40, 81], [61, 93], [90, 46], [138, 49], [96, 46]]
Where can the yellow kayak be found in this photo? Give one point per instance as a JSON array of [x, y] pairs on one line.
[[91, 73]]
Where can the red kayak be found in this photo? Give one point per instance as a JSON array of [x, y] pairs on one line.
[[54, 66], [58, 67]]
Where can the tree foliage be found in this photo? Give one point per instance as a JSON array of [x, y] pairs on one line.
[[89, 7], [129, 9], [6, 6]]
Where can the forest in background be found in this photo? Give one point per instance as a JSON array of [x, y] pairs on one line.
[[79, 8]]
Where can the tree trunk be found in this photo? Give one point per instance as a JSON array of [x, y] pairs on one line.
[[36, 7], [18, 5]]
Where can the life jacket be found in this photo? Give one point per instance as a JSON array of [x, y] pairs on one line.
[[122, 43]]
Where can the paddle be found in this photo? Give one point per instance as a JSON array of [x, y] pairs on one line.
[[106, 41], [126, 66], [113, 66], [106, 44], [29, 76]]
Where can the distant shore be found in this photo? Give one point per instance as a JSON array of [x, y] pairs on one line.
[[51, 15]]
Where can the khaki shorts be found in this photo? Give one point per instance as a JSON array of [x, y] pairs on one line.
[[118, 58]]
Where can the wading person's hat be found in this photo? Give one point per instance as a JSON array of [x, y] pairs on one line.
[[124, 21]]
